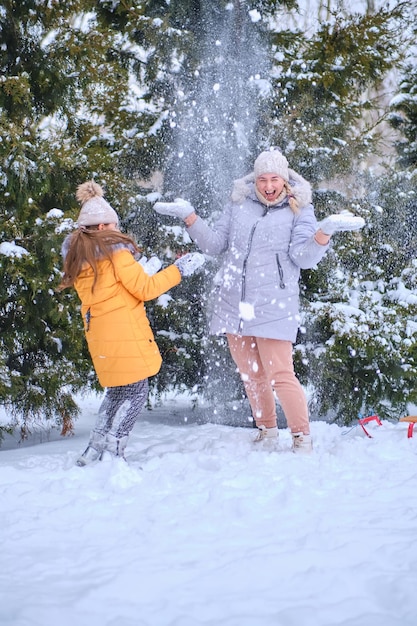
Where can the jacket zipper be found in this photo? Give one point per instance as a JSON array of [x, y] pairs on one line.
[[245, 261], [280, 272]]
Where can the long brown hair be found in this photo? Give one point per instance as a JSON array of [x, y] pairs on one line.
[[88, 245]]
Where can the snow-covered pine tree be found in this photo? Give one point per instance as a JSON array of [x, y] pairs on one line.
[[65, 111], [103, 90], [330, 114], [403, 117], [362, 330]]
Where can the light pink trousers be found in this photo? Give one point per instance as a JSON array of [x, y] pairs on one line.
[[266, 366]]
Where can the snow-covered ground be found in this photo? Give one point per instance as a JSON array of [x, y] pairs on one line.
[[200, 527]]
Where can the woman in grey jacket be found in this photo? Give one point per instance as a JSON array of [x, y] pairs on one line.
[[267, 233]]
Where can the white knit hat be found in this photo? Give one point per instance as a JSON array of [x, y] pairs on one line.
[[272, 162], [94, 208]]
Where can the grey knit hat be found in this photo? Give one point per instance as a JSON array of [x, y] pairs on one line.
[[94, 208], [272, 162]]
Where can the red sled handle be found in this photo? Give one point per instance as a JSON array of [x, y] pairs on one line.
[[365, 420]]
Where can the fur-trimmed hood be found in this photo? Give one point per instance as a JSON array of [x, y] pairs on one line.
[[244, 187]]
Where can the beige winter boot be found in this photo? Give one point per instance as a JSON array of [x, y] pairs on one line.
[[265, 433], [302, 444]]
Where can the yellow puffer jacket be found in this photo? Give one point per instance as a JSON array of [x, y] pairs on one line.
[[118, 333]]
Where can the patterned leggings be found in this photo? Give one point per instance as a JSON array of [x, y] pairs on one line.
[[120, 409]]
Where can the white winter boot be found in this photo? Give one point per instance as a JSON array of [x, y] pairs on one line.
[[266, 433], [93, 450], [302, 444], [114, 447]]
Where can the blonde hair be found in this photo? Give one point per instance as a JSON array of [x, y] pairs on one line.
[[291, 198], [89, 245]]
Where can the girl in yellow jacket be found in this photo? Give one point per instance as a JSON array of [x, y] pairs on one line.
[[99, 261]]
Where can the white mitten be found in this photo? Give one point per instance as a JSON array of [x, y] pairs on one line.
[[151, 266], [341, 222], [179, 208], [189, 263]]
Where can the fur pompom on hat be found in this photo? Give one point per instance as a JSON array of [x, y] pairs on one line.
[[272, 162], [94, 208]]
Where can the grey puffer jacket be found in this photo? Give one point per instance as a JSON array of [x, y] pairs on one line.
[[257, 291]]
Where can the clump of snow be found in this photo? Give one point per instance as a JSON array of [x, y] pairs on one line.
[[9, 248], [64, 226], [164, 300], [55, 214], [255, 16], [246, 311]]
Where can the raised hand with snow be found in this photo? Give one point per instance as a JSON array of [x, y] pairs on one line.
[[339, 222], [179, 208], [189, 263]]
